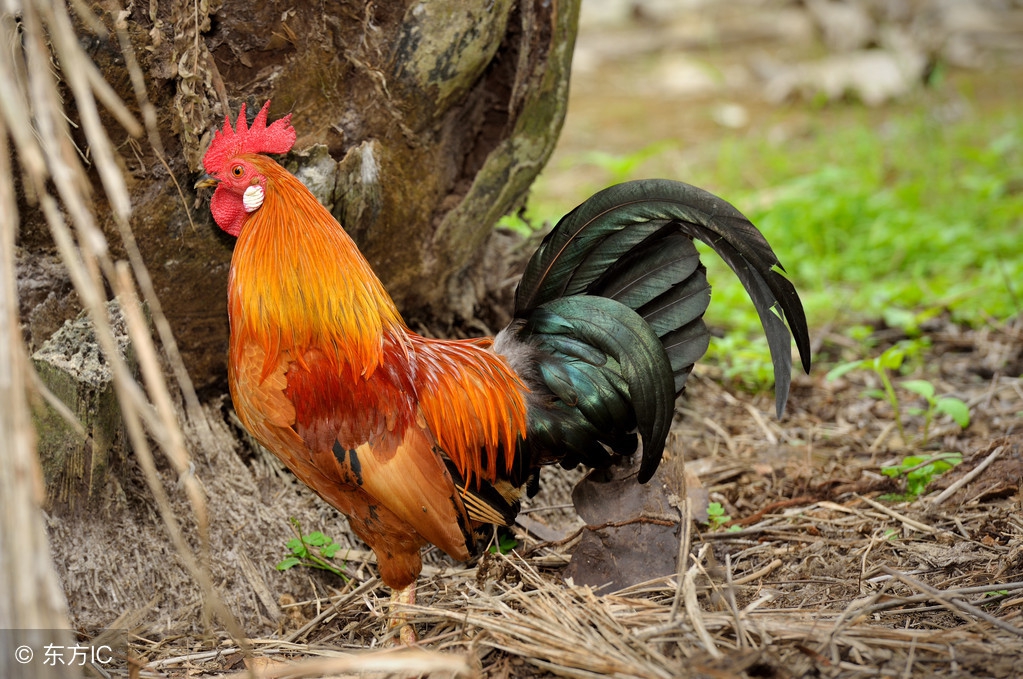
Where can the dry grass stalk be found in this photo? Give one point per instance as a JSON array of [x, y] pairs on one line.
[[48, 158], [31, 598], [693, 606], [974, 473], [397, 663], [955, 604], [905, 520]]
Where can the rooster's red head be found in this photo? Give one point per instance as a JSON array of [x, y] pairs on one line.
[[229, 165]]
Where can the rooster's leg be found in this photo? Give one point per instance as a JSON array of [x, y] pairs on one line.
[[400, 619]]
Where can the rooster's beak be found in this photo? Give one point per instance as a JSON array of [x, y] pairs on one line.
[[206, 181]]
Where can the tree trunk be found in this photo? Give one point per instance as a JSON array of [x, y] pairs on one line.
[[419, 125]]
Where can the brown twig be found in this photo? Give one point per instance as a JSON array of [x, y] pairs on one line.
[[912, 523], [968, 477], [771, 508], [610, 524]]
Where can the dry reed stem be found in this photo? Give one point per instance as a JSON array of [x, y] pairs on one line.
[[399, 663], [905, 520], [693, 607], [32, 598], [955, 604], [48, 158]]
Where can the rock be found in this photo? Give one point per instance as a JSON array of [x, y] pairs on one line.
[[844, 26], [315, 168], [79, 465], [682, 76], [46, 297], [631, 540], [874, 76], [969, 34], [731, 115]]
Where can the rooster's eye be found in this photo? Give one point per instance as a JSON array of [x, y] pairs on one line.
[[237, 171]]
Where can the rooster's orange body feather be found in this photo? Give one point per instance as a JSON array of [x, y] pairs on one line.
[[324, 372]]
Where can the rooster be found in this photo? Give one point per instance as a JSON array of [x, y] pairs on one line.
[[419, 440]]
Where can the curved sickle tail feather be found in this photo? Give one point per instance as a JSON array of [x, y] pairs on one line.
[[612, 308]]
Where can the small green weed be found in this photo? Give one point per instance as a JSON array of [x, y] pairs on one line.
[[946, 405], [716, 516], [717, 519], [891, 360], [312, 551], [918, 471], [505, 543], [517, 223], [623, 167]]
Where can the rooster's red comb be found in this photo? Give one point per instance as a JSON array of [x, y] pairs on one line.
[[279, 137]]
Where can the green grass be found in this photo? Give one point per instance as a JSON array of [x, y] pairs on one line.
[[896, 220]]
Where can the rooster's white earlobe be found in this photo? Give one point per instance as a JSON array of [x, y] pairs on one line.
[[252, 198]]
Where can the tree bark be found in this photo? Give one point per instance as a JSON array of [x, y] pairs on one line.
[[420, 124]]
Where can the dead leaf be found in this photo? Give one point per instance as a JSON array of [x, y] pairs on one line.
[[632, 532]]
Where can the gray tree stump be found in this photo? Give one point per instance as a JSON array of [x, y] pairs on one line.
[[79, 464]]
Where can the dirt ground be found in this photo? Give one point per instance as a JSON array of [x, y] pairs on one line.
[[817, 571], [825, 576]]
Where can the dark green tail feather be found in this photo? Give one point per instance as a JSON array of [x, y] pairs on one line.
[[621, 274], [599, 402]]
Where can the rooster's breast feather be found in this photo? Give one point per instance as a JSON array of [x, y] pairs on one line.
[[396, 469]]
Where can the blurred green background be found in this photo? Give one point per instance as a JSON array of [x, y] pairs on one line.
[[886, 170]]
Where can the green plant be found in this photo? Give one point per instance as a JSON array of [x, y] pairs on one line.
[[909, 321], [517, 224], [891, 360], [312, 551], [505, 543], [744, 360], [622, 167], [717, 519], [947, 405], [918, 471]]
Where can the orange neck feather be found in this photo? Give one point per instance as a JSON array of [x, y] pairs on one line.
[[299, 282]]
